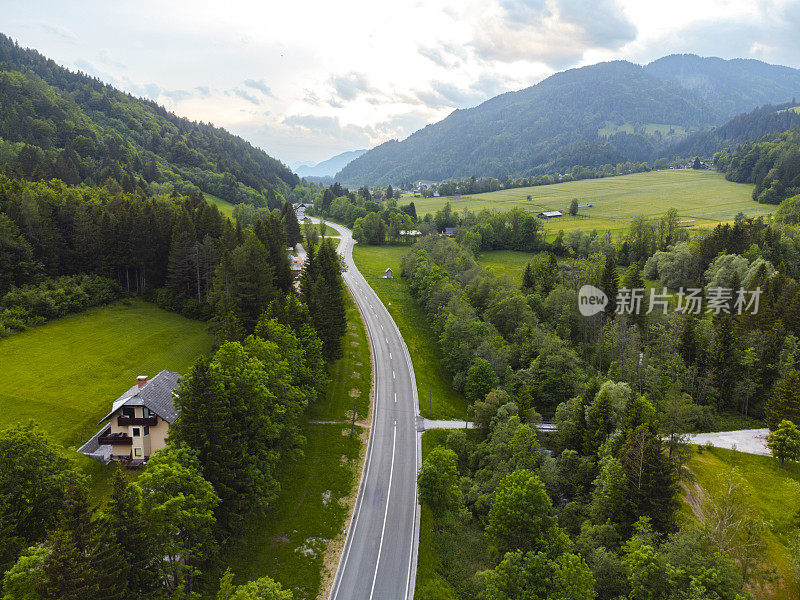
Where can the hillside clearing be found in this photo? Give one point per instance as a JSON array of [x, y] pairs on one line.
[[225, 207]]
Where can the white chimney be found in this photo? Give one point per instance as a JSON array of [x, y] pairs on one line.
[[141, 379]]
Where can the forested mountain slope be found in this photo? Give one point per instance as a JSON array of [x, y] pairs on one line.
[[56, 123], [595, 115], [732, 134], [733, 86]]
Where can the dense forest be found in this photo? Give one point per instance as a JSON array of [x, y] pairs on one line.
[[56, 123], [742, 128], [734, 86], [602, 114], [595, 514], [772, 163]]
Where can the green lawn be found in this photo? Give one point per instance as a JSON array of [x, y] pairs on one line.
[[289, 544], [225, 207], [437, 399], [704, 196], [775, 492], [506, 262], [65, 374]]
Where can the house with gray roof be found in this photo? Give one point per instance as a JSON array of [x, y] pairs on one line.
[[138, 422]]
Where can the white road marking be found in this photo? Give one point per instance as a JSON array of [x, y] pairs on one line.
[[386, 513], [392, 373], [387, 340], [395, 397], [390, 356]]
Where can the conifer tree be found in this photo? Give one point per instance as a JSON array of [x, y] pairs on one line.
[[528, 282], [550, 275], [724, 365], [784, 403], [291, 225], [83, 561], [652, 488], [129, 530], [181, 272], [271, 234], [610, 285], [327, 303], [206, 427]]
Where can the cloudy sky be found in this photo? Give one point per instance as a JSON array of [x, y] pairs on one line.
[[307, 80]]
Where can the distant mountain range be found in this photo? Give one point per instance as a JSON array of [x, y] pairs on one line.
[[605, 113], [327, 168]]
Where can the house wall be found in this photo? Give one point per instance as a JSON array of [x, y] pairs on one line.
[[148, 444], [158, 436]]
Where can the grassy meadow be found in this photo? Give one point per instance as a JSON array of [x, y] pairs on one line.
[[297, 542], [774, 493], [704, 196], [225, 207], [66, 373], [437, 399]]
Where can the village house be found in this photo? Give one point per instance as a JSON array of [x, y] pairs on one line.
[[138, 422]]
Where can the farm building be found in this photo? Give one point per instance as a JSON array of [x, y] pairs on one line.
[[550, 214]]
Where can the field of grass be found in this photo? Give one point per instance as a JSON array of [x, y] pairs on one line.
[[437, 399], [775, 492], [225, 207], [704, 196], [290, 543], [65, 374]]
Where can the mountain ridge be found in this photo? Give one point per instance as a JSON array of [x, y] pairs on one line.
[[79, 129], [609, 112]]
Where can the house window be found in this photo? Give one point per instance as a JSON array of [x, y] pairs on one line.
[[146, 412], [137, 451], [128, 411], [147, 430], [137, 432]]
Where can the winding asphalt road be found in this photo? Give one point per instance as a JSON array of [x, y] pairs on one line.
[[379, 560]]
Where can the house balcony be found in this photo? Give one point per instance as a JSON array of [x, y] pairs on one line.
[[123, 421], [114, 439]]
